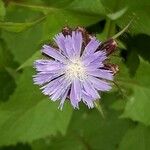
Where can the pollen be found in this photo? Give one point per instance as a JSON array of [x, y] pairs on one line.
[[75, 69]]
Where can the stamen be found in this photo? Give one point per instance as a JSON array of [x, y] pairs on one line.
[[75, 69]]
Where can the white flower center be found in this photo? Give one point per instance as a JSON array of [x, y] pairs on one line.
[[75, 69]]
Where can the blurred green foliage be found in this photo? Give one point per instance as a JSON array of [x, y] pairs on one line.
[[30, 121]]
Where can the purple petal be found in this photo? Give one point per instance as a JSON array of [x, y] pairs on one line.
[[44, 77], [95, 65], [64, 96], [90, 89], [99, 84], [69, 46], [101, 57], [87, 99], [51, 87], [101, 73], [90, 58], [77, 42], [53, 53], [48, 65], [60, 90], [60, 41], [91, 47], [75, 94]]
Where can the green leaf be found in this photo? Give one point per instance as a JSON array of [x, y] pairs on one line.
[[14, 27], [62, 143], [135, 46], [88, 6], [118, 105], [18, 19], [118, 14], [94, 131], [73, 14], [57, 4], [44, 9], [7, 85], [141, 44], [29, 115], [18, 146], [6, 57], [88, 130], [23, 44], [137, 138], [7, 79], [18, 27], [22, 14], [2, 10], [29, 62], [138, 104], [133, 57], [66, 18], [83, 6], [139, 10], [122, 31]]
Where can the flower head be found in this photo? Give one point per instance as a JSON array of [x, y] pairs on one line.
[[75, 69]]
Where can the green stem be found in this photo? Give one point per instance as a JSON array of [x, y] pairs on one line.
[[110, 26], [99, 108], [120, 90], [109, 29]]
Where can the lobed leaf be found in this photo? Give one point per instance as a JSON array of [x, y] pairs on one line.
[[28, 115], [137, 107], [136, 139]]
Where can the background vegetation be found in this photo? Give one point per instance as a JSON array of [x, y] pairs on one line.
[[30, 121]]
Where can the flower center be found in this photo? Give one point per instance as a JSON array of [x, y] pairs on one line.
[[75, 69]]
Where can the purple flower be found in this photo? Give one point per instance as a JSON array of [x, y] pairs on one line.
[[75, 70]]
